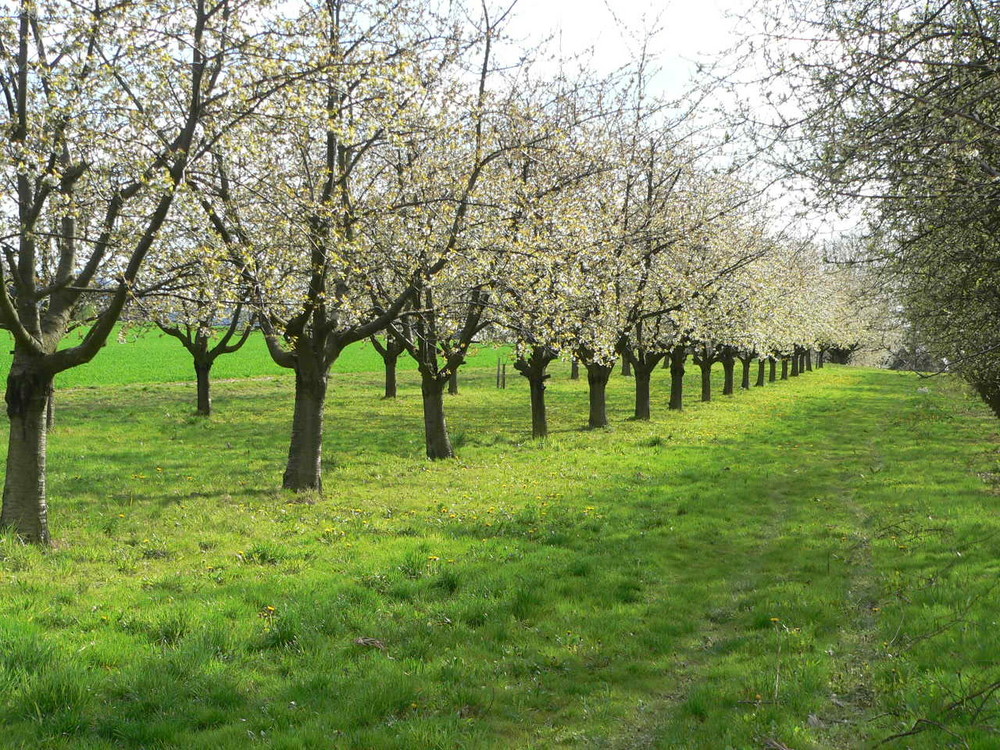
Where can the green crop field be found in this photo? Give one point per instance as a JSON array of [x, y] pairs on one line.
[[813, 564]]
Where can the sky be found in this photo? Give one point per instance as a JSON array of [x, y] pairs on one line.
[[688, 29]]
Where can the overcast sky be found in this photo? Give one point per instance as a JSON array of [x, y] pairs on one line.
[[688, 29]]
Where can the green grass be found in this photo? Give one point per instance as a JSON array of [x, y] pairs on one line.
[[149, 356], [812, 563]]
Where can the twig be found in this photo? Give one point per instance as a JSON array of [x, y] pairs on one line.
[[922, 725]]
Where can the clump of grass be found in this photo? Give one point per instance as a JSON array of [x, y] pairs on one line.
[[262, 553], [169, 629], [282, 629]]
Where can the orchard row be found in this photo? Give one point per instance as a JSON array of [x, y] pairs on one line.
[[340, 170]]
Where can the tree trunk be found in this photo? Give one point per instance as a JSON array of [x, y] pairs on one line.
[[533, 369], [643, 375], [819, 358], [453, 384], [990, 394], [745, 379], [574, 369], [795, 365], [626, 368], [706, 380], [597, 379], [784, 368], [25, 509], [677, 357], [390, 375], [539, 420], [390, 352], [435, 427], [839, 355], [304, 470], [202, 371], [809, 360], [728, 369], [761, 368], [50, 410], [772, 375]]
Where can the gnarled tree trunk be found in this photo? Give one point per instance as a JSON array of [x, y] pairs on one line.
[[642, 380], [539, 418], [643, 366], [761, 372], [597, 380], [304, 470], [436, 439], [772, 371], [25, 506], [706, 379], [784, 368], [390, 361], [533, 368], [795, 364], [728, 368], [202, 374], [745, 376], [642, 362], [809, 360]]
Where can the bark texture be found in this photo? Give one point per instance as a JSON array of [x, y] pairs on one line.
[[728, 360], [436, 438], [642, 407], [597, 380], [391, 388], [25, 505], [304, 470], [202, 375], [533, 369], [706, 379], [745, 375]]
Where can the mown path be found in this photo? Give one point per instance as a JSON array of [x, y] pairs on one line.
[[869, 485]]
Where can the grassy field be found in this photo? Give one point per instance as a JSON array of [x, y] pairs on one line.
[[812, 565], [149, 356]]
